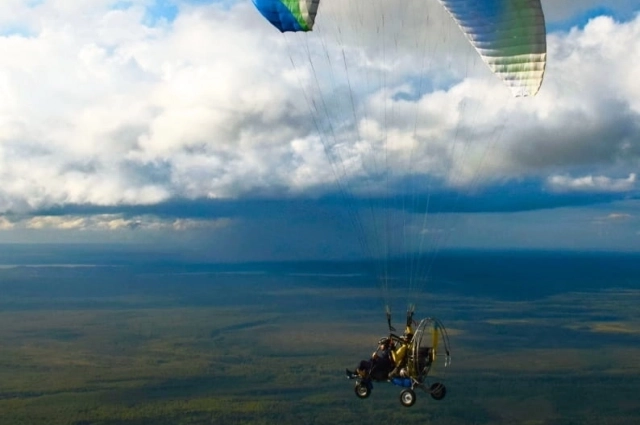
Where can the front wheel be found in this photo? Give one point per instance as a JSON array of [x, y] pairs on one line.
[[407, 398], [362, 390], [438, 391]]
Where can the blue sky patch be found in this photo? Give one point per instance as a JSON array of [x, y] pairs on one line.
[[122, 5], [161, 10], [583, 19], [158, 11], [16, 30]]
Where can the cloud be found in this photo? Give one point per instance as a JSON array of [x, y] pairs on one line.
[[592, 184], [5, 224], [111, 222], [66, 223], [99, 106], [565, 14], [618, 216], [615, 218]]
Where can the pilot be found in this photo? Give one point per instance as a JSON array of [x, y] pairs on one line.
[[399, 354]]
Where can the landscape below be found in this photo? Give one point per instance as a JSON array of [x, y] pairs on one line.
[[537, 338]]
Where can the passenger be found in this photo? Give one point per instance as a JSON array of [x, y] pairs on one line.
[[389, 358], [378, 366]]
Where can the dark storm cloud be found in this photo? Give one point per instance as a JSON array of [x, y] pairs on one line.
[[608, 136], [529, 196]]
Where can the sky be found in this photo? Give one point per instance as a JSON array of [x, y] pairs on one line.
[[196, 126]]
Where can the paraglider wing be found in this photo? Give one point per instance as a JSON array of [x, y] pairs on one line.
[[289, 15], [510, 35]]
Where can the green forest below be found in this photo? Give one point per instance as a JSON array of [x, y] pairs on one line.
[[276, 354]]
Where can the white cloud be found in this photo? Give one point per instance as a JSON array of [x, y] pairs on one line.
[[98, 108], [5, 224], [619, 216], [55, 222], [112, 222], [564, 183], [614, 218]]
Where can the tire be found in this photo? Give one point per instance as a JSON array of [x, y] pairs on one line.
[[407, 398], [362, 390], [438, 391]]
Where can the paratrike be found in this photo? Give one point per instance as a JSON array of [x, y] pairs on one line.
[[426, 359]]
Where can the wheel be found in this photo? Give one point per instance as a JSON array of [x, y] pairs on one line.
[[407, 398], [438, 391], [362, 390]]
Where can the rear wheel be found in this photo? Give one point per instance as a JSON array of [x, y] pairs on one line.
[[407, 398], [438, 391]]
